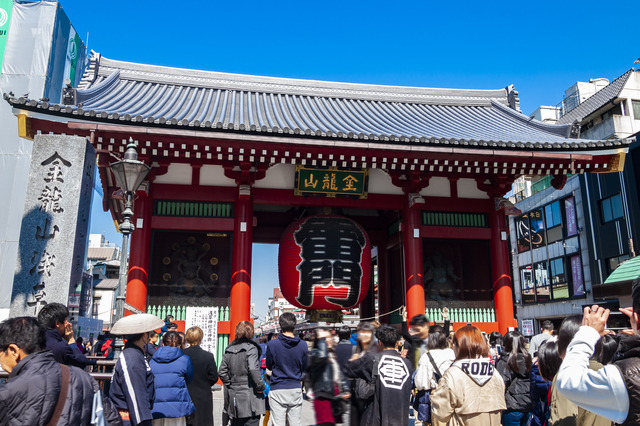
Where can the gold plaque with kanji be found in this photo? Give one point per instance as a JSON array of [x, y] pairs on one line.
[[332, 182]]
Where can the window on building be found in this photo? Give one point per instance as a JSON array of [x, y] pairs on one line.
[[553, 218], [541, 274], [559, 277], [527, 285], [614, 262], [611, 208], [636, 109]]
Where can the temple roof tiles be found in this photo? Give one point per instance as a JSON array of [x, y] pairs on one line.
[[116, 92]]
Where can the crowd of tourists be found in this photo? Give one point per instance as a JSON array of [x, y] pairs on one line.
[[583, 374]]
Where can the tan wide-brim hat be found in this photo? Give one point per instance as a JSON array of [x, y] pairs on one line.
[[135, 324]]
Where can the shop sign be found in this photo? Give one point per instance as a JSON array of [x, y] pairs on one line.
[[576, 273], [527, 327], [570, 212], [332, 182]]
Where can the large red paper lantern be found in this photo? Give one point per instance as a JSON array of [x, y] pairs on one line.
[[324, 262]]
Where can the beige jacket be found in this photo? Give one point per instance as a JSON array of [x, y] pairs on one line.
[[475, 405]]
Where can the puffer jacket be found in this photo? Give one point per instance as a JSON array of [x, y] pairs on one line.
[[517, 384], [473, 390], [322, 374], [173, 371], [243, 384], [30, 395], [539, 392]]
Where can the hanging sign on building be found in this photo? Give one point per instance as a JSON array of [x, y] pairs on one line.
[[207, 319], [576, 273], [570, 213], [331, 182], [527, 327], [324, 262]]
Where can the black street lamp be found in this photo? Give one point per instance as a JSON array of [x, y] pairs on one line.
[[129, 174]]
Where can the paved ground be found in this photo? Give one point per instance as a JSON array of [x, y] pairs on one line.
[[308, 416]]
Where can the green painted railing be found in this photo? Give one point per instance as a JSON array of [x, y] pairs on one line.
[[466, 220], [221, 345], [463, 314], [193, 209], [179, 314]]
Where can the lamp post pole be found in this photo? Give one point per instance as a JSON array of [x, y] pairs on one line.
[[126, 227], [129, 174]]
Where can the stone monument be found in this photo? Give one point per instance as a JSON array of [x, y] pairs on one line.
[[55, 223]]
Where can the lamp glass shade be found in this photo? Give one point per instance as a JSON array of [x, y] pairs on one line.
[[129, 174]]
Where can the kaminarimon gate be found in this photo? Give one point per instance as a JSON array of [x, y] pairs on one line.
[[236, 159]]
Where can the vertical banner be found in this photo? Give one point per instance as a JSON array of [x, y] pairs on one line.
[[6, 7], [86, 295], [576, 273], [570, 213], [207, 319], [71, 60]]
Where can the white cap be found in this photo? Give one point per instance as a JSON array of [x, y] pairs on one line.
[[135, 324]]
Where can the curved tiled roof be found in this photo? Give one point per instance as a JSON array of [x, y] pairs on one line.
[[597, 100], [160, 96]]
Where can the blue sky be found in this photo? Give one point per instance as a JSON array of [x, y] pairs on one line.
[[541, 48]]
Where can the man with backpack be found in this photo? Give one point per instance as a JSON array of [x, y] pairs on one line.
[[385, 378]]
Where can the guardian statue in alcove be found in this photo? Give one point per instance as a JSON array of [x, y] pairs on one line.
[[439, 278]]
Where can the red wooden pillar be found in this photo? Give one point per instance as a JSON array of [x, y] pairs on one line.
[[501, 271], [412, 246], [140, 253], [240, 309], [384, 286], [367, 307]]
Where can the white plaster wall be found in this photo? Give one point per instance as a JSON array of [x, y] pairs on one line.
[[177, 174], [279, 176], [380, 183], [106, 305], [211, 175], [468, 188], [438, 187]]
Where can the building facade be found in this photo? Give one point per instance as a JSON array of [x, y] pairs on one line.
[[567, 242], [278, 305]]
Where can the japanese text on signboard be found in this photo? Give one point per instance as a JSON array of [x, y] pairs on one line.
[[207, 319], [331, 182]]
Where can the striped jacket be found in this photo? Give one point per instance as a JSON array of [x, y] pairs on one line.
[[132, 386]]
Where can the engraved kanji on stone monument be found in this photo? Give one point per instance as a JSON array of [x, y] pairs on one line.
[[54, 231], [55, 171], [47, 232], [36, 299], [50, 200]]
